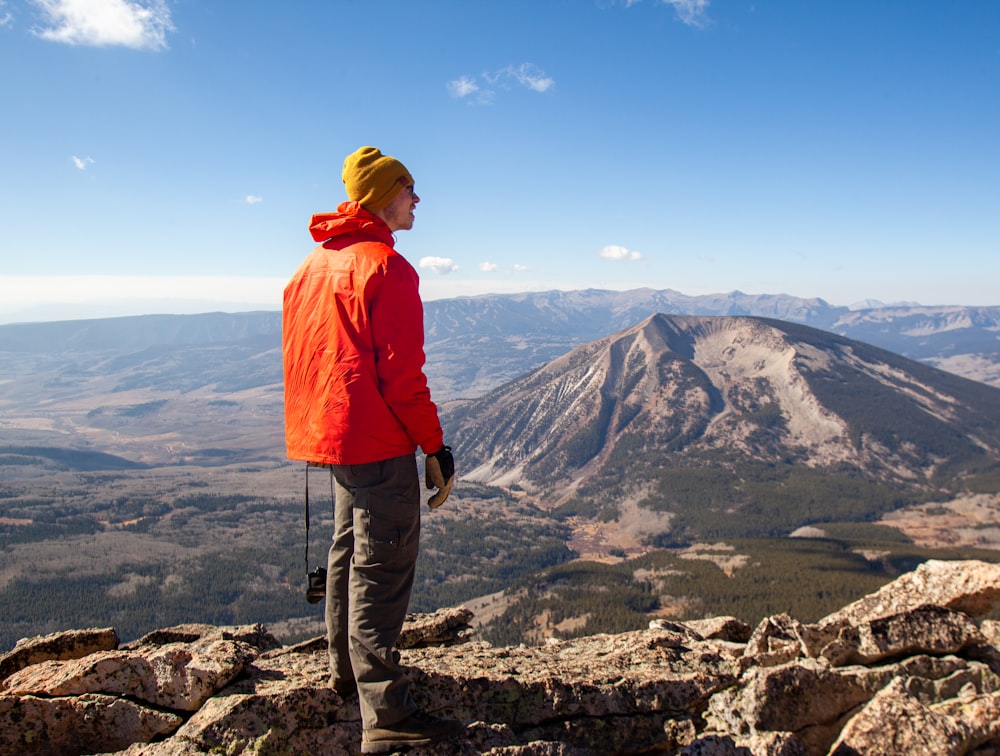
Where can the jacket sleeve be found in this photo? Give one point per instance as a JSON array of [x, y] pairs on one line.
[[397, 323]]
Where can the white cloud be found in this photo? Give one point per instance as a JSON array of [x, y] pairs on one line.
[[6, 18], [129, 23], [518, 268], [525, 75], [440, 265], [488, 267], [463, 86], [615, 252], [253, 199], [82, 163]]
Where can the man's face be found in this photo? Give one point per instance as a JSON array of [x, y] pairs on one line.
[[398, 214]]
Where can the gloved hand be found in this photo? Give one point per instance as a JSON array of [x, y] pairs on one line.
[[439, 473]]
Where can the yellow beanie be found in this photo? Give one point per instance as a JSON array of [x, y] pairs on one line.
[[373, 179]]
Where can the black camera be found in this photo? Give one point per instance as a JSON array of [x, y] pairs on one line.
[[316, 589]]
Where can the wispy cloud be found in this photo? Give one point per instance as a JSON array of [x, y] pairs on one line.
[[105, 23], [615, 252], [253, 199], [6, 17], [440, 265], [82, 162], [526, 75], [483, 90], [691, 12], [489, 267]]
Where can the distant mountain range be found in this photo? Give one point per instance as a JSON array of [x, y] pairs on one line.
[[476, 343]]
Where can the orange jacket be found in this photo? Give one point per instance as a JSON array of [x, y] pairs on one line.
[[353, 348]]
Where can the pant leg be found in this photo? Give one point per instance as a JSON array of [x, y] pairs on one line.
[[338, 569], [386, 508]]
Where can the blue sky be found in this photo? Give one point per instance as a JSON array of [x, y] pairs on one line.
[[166, 156]]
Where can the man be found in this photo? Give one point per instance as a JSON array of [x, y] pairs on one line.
[[357, 402]]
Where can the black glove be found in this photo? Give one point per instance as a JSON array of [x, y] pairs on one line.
[[439, 473]]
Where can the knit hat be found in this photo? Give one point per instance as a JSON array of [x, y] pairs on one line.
[[373, 179]]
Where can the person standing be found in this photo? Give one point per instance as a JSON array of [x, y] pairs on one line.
[[357, 403]]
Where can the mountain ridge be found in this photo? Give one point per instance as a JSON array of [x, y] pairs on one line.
[[513, 333]]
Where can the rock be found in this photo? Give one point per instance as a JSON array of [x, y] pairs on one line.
[[442, 627], [282, 698], [776, 640], [253, 635], [915, 727], [943, 678], [991, 631], [71, 644], [927, 629], [721, 628], [889, 674], [563, 691], [978, 714], [175, 676], [788, 698], [971, 587], [89, 723]]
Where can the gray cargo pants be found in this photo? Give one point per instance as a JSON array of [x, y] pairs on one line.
[[370, 571]]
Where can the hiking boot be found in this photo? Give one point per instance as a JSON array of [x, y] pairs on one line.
[[419, 727]]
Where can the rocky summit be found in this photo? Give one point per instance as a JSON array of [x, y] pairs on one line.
[[913, 668]]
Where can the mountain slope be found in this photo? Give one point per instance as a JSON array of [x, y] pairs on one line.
[[779, 422]]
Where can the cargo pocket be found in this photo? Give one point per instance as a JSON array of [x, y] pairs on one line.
[[390, 532]]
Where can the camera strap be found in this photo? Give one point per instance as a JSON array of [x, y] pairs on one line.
[[324, 466]]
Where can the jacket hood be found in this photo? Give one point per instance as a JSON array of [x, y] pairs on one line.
[[349, 218]]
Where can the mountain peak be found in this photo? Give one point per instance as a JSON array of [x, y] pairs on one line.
[[695, 392]]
